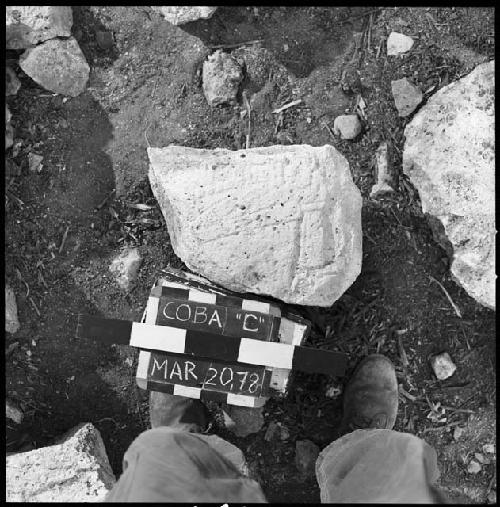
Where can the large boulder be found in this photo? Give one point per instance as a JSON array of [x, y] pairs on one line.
[[74, 470], [178, 15], [28, 25], [58, 65], [449, 156], [283, 221]]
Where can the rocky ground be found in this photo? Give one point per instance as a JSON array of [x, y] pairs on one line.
[[70, 212]]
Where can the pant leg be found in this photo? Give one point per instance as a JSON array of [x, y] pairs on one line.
[[377, 465], [167, 465]]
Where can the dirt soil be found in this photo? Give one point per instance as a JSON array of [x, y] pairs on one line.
[[66, 221]]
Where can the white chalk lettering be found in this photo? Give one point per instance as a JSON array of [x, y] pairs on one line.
[[245, 326], [177, 372], [188, 369], [159, 367], [215, 317], [209, 381], [200, 310], [165, 310], [188, 312], [222, 375]]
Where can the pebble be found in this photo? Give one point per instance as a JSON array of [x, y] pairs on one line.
[[222, 76], [489, 448], [13, 412], [383, 176], [333, 392], [12, 324], [125, 267], [458, 432], [406, 96], [443, 366], [306, 454], [347, 126], [474, 467], [398, 43]]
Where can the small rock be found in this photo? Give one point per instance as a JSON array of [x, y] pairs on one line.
[[222, 76], [489, 448], [406, 95], [285, 434], [11, 320], [105, 40], [350, 81], [333, 391], [34, 162], [13, 412], [474, 467], [28, 25], [271, 431], [383, 176], [443, 366], [492, 496], [125, 267], [347, 126], [306, 453], [9, 130], [185, 14], [58, 65], [12, 83], [398, 43], [458, 432], [481, 458], [247, 420]]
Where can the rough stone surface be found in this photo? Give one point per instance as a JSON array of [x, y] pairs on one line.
[[398, 43], [28, 25], [347, 126], [58, 65], [125, 267], [12, 83], [76, 469], [178, 15], [9, 130], [245, 420], [229, 451], [443, 366], [406, 95], [306, 454], [449, 156], [11, 319], [384, 178], [222, 76], [283, 221]]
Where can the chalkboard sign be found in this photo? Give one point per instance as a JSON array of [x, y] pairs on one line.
[[216, 319], [235, 378]]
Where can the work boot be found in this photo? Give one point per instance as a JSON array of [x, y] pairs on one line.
[[371, 396], [178, 412]]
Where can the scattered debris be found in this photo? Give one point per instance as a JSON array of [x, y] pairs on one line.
[[407, 96], [443, 366], [360, 107], [13, 412], [474, 467], [306, 454], [333, 391], [382, 170], [272, 431], [12, 324], [125, 267], [398, 43], [347, 126], [222, 76]]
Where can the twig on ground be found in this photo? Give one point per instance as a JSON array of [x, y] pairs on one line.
[[348, 20], [454, 306], [406, 394], [249, 112], [326, 126], [379, 48], [237, 45], [451, 409], [402, 351], [105, 200], [35, 307], [446, 426], [65, 236], [286, 106]]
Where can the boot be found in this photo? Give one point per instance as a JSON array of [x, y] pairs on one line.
[[371, 396], [178, 412]]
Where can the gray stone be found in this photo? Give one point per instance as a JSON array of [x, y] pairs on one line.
[[384, 178], [306, 454], [347, 126], [443, 366], [406, 95], [247, 420], [222, 76], [28, 25], [125, 267], [76, 469], [474, 467], [9, 130], [449, 155], [12, 83], [58, 65], [11, 319], [13, 412], [398, 43], [283, 221], [272, 431], [229, 451], [178, 15]]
